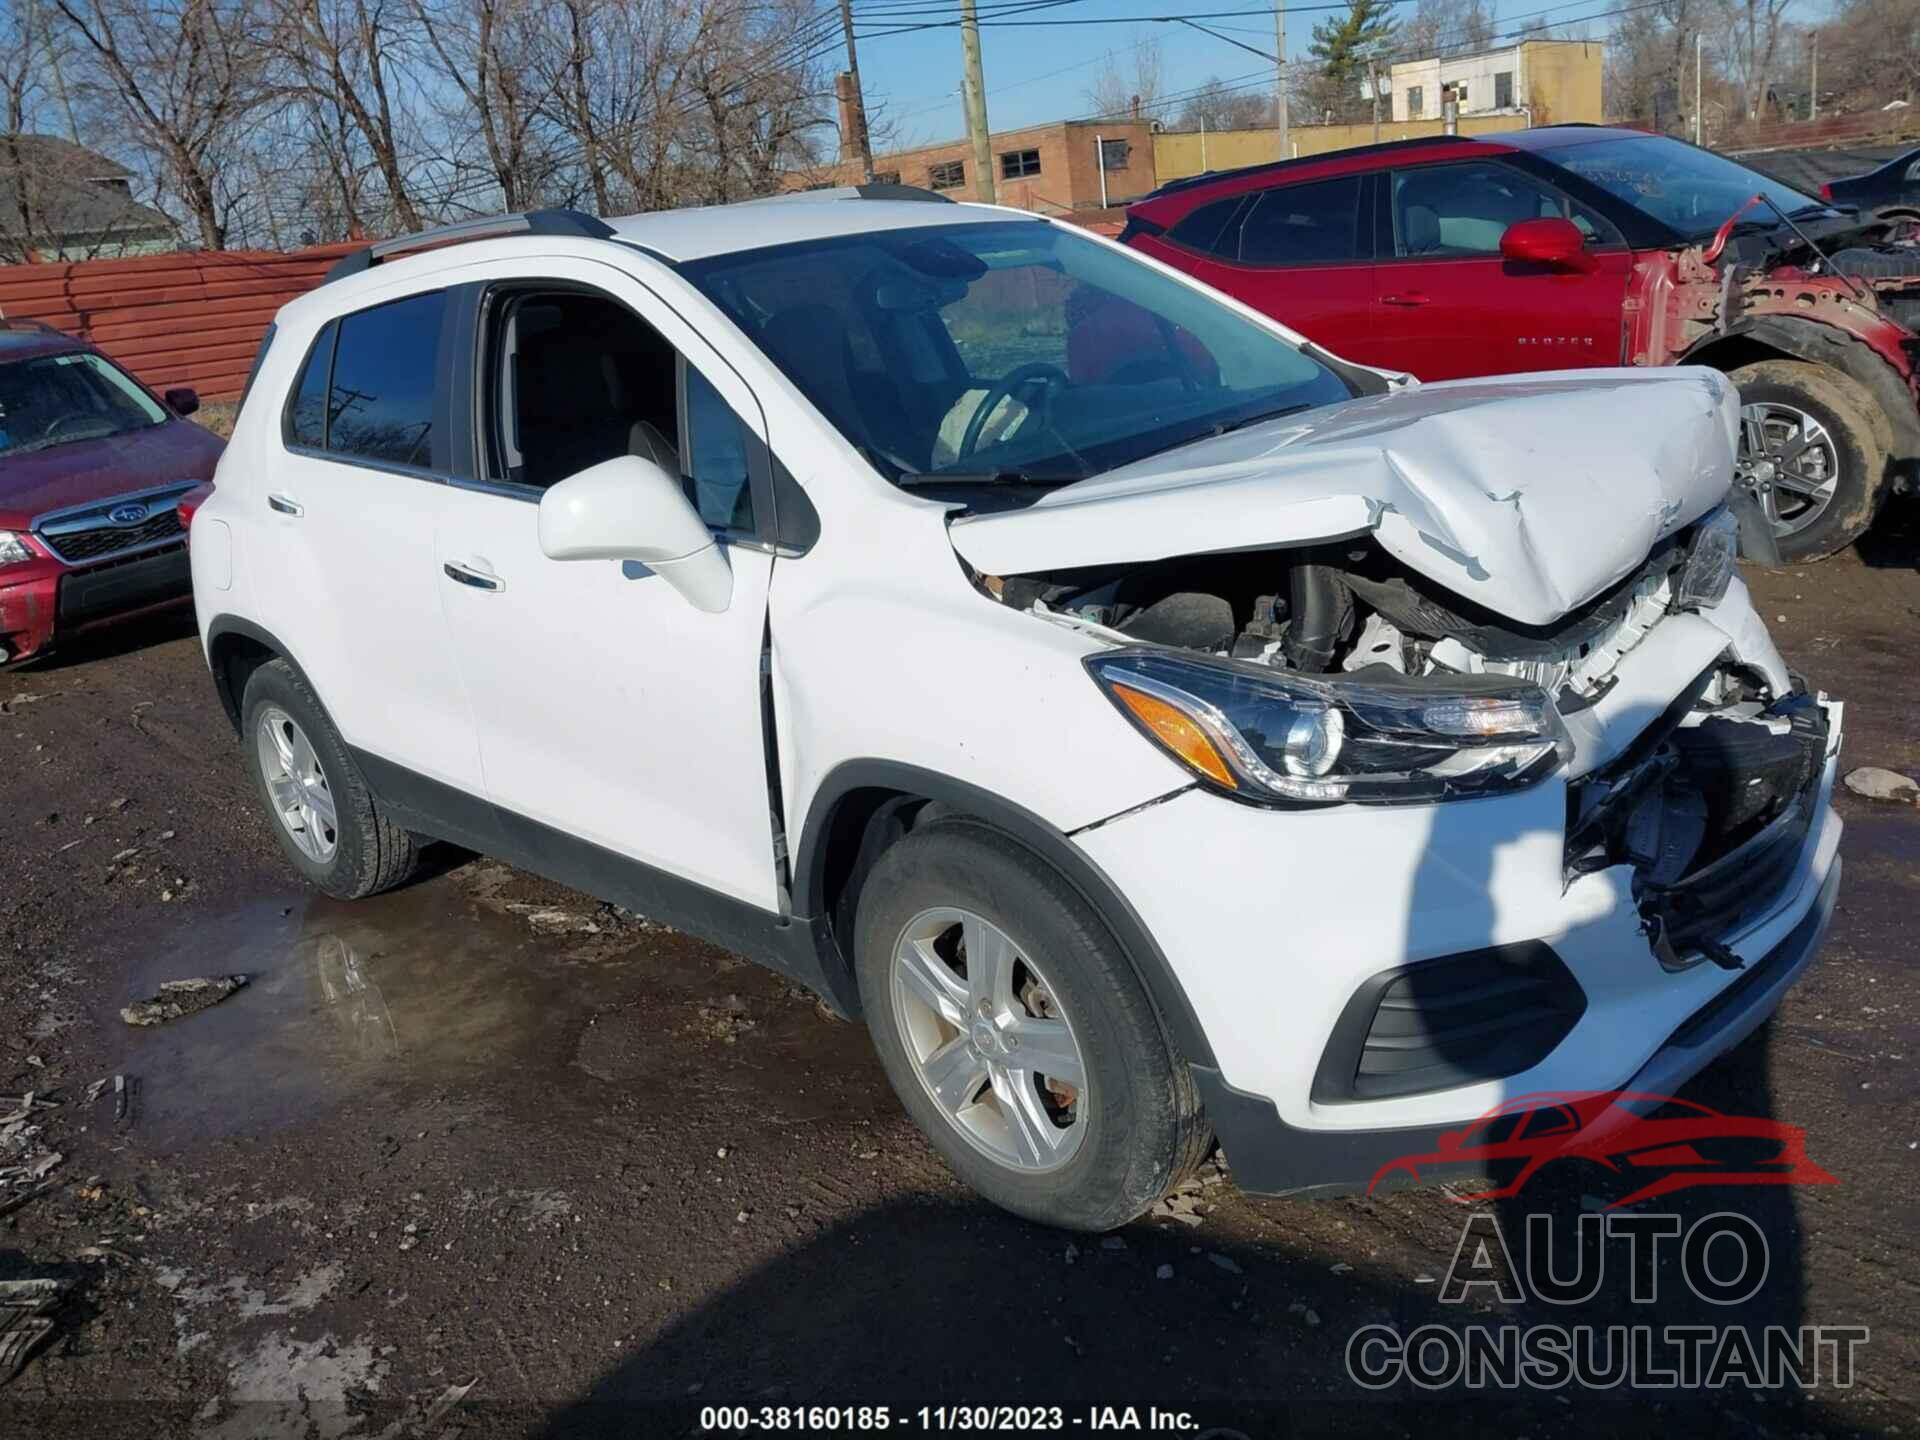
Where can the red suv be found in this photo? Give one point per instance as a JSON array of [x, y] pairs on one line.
[[93, 467], [1576, 245]]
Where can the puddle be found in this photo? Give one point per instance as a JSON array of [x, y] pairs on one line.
[[349, 1001]]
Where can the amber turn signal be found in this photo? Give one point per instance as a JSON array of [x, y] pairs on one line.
[[1173, 728]]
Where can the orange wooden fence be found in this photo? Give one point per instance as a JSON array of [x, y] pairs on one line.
[[193, 318]]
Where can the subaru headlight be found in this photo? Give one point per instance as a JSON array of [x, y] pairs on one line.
[[1709, 567], [13, 549], [1274, 738]]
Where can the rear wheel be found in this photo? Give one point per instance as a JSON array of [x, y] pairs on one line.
[[1016, 1034], [1812, 450], [323, 815]]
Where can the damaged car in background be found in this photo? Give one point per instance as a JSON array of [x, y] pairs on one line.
[[1157, 728], [1590, 245]]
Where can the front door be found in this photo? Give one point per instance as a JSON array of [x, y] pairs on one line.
[[1448, 305], [610, 710]]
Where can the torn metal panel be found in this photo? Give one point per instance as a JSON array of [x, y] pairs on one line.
[[1527, 495]]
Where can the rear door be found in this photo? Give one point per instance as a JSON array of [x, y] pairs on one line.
[[1302, 253], [346, 524], [1447, 304]]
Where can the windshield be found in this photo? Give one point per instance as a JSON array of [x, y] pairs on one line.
[[1006, 350], [1693, 191], [57, 399]]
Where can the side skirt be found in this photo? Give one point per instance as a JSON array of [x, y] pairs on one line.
[[794, 946]]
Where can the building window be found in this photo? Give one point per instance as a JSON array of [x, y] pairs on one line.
[[1460, 93], [1113, 154], [1416, 99], [886, 177], [948, 175], [1503, 90], [1015, 163]]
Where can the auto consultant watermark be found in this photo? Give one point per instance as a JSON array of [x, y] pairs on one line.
[[1719, 1261]]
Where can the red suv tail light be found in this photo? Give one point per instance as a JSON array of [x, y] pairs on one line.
[[192, 501], [1826, 190]]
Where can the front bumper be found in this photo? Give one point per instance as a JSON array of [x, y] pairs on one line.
[[1272, 921], [45, 599]]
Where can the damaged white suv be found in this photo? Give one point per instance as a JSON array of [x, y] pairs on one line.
[[1155, 727]]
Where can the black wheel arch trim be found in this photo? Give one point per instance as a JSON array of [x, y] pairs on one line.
[[1827, 345], [1178, 1020], [223, 625]]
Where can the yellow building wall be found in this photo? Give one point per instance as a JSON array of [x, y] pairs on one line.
[[1563, 81], [1178, 155]]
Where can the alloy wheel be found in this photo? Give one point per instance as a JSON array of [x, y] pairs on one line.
[[989, 1040], [1790, 461], [301, 795]]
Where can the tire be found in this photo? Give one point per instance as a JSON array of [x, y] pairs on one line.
[[359, 852], [1857, 444], [1131, 1131]]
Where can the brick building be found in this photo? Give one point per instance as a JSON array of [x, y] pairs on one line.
[[1054, 169]]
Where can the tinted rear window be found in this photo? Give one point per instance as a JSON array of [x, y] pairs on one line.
[[1304, 224], [380, 406], [1210, 229], [306, 420]]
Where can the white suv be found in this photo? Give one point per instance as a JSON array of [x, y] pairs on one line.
[[1154, 726]]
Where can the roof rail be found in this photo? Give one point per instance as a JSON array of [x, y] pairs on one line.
[[533, 222], [894, 190], [1265, 167], [24, 323]]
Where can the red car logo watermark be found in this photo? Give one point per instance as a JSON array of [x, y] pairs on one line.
[[1677, 1144]]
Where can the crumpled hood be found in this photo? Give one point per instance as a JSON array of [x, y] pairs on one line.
[[1526, 494]]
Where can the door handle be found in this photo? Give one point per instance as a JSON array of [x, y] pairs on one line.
[[477, 579], [1411, 297], [286, 505]]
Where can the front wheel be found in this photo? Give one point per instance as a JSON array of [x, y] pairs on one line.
[[1812, 451], [1016, 1034]]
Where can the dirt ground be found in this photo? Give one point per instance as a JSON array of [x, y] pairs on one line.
[[485, 1132]]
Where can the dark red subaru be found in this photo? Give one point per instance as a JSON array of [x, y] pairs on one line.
[[1573, 246], [93, 467]]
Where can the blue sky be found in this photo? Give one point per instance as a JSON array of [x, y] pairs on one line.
[[1036, 73]]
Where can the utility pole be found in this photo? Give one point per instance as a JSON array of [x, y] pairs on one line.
[[1699, 49], [973, 94], [1813, 85], [859, 95], [1373, 84], [1280, 72]]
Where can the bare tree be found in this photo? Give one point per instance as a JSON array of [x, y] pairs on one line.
[[1753, 30], [1215, 106], [1129, 87], [1447, 27], [1870, 53], [341, 56], [188, 75], [485, 50]]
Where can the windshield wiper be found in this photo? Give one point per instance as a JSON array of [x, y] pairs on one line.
[[979, 477], [1227, 427]]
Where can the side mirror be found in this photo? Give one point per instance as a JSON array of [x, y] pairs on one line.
[[628, 508], [1551, 241], [182, 400]]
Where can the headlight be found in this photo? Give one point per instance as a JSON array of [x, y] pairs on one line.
[[1275, 738], [13, 550], [1709, 568]]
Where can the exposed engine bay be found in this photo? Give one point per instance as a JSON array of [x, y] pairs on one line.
[[1710, 804], [1348, 607]]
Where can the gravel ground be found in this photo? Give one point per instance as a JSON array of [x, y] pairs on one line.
[[486, 1132]]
